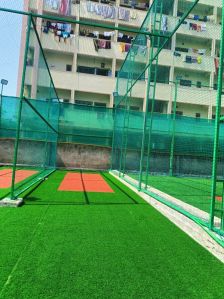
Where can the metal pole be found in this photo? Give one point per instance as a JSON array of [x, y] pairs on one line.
[[148, 89], [173, 130], [114, 114], [154, 93], [217, 125], [20, 108]]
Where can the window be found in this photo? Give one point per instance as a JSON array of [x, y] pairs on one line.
[[68, 67], [185, 82], [198, 115], [85, 103], [85, 69], [135, 108], [98, 104]]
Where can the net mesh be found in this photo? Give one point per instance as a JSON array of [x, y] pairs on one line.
[[169, 156], [28, 127]]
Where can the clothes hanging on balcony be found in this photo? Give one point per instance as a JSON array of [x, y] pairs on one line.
[[191, 50], [123, 14], [125, 38], [164, 23], [198, 27], [106, 11], [124, 47], [101, 44], [65, 7], [216, 60], [53, 4], [193, 59]]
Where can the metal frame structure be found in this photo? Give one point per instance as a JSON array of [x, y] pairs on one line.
[[14, 193], [147, 131], [218, 119]]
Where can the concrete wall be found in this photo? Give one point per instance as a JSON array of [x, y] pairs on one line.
[[94, 157], [83, 156], [68, 155]]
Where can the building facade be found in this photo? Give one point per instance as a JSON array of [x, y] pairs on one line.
[[84, 63]]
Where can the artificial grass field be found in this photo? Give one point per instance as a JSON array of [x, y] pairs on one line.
[[194, 191], [91, 245]]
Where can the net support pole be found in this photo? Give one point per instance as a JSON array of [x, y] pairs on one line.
[[217, 125], [19, 114], [173, 129], [114, 115]]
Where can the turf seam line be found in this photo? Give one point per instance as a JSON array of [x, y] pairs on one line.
[[84, 190], [23, 251]]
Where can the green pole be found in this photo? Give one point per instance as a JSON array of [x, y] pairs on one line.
[[46, 141], [114, 115], [147, 104], [130, 78], [173, 129], [20, 107], [222, 208], [217, 125], [154, 94]]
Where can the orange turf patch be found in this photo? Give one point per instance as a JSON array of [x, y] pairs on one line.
[[84, 182], [6, 176], [219, 198]]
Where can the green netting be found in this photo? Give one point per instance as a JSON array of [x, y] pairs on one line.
[[85, 125], [167, 155], [29, 128]]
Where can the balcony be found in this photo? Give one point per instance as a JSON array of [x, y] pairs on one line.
[[187, 95], [85, 46], [167, 58], [50, 42], [217, 3]]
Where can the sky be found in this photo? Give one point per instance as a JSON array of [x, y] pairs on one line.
[[11, 26]]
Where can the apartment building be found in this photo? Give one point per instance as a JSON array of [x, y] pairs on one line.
[[84, 64]]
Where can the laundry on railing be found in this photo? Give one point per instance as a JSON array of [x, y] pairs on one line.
[[210, 18], [124, 38], [193, 59], [96, 34], [61, 30], [216, 60], [124, 47], [101, 44], [106, 11], [53, 4], [164, 23], [123, 14], [194, 26], [191, 50], [65, 7]]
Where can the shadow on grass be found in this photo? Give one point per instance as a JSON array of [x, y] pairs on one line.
[[120, 189], [32, 200]]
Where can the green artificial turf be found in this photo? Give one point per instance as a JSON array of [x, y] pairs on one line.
[[74, 245], [194, 191]]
